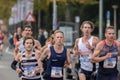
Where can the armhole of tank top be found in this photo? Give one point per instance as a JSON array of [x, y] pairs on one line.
[[65, 51], [51, 50], [103, 43], [91, 40], [79, 40], [116, 43]]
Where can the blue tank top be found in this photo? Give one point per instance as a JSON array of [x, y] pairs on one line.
[[109, 66], [55, 63]]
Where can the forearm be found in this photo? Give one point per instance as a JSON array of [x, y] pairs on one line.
[[97, 59], [13, 65], [15, 52], [40, 64]]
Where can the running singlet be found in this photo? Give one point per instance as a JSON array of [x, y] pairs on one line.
[[85, 55], [28, 66], [22, 48], [109, 65], [1, 38], [56, 63]]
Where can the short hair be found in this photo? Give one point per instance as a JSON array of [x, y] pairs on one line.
[[58, 31], [26, 38], [27, 26], [109, 27], [87, 22]]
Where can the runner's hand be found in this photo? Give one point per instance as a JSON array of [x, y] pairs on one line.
[[18, 70], [109, 55]]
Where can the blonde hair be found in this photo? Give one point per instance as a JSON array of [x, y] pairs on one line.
[[58, 31]]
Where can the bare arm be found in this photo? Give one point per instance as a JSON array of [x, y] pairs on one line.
[[75, 49], [95, 42], [37, 45], [44, 54], [37, 54], [16, 49], [95, 56], [68, 57], [68, 60], [118, 51]]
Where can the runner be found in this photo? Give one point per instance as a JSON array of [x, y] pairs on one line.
[[106, 53], [29, 61], [19, 47], [17, 35], [57, 56], [84, 47], [1, 42]]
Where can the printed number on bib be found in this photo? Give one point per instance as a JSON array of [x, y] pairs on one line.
[[85, 58], [109, 63], [56, 72], [29, 71]]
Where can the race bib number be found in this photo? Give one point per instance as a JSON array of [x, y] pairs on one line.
[[29, 71], [56, 72], [109, 63], [85, 58]]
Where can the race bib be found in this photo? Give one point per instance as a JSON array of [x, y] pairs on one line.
[[56, 72], [109, 63], [85, 58], [29, 71]]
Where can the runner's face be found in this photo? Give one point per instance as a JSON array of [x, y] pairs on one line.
[[29, 44], [86, 29], [19, 30], [110, 34], [28, 31], [59, 38]]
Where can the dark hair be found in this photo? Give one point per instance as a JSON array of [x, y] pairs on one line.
[[26, 38], [27, 26], [109, 27]]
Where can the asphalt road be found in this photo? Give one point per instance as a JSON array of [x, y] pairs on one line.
[[6, 73]]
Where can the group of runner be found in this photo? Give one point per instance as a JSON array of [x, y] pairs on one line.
[[30, 59]]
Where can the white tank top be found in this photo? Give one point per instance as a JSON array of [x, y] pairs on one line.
[[85, 54]]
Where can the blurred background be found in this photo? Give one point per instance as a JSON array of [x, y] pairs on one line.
[[49, 15], [66, 15]]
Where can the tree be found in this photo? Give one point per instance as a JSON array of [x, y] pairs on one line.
[[5, 9], [65, 10]]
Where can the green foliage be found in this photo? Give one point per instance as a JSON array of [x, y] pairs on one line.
[[5, 8], [74, 7]]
